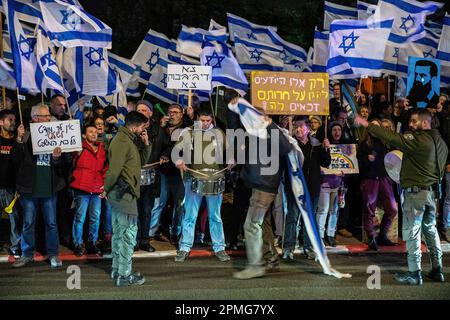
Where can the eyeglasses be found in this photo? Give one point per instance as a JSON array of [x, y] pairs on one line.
[[174, 112], [44, 115]]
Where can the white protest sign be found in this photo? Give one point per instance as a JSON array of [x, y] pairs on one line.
[[189, 77], [343, 160], [46, 136]]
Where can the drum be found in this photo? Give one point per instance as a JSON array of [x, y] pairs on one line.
[[213, 185], [147, 177], [393, 164]]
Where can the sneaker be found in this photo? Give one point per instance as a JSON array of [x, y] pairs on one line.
[[22, 262], [181, 256], [92, 248], [288, 255], [437, 275], [55, 262], [383, 240], [145, 246], [249, 273], [272, 266], [222, 256], [78, 250], [345, 233], [114, 274], [309, 254], [411, 278], [134, 279], [16, 253]]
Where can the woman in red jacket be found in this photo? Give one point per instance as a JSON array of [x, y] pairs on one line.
[[89, 171]]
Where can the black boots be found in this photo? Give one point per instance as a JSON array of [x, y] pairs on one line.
[[373, 244], [383, 240], [437, 275]]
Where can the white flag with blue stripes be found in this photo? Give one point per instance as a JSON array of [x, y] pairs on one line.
[[333, 11], [434, 26], [155, 46], [126, 69], [47, 61], [23, 48], [190, 40], [245, 29], [357, 48], [157, 84], [409, 18], [294, 57], [89, 68], [225, 68], [320, 58], [443, 52], [213, 25], [7, 52], [26, 10], [7, 79], [257, 55], [69, 25], [365, 10]]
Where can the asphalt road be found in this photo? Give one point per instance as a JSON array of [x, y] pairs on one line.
[[206, 278]]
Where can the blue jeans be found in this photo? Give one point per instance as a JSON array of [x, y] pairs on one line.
[[327, 207], [30, 206], [192, 203], [6, 196], [446, 213], [158, 207], [83, 201], [106, 217]]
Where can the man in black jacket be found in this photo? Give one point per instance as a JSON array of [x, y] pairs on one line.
[[315, 155], [38, 180]]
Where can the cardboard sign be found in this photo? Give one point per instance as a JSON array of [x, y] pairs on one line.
[[46, 136], [423, 87], [188, 77], [343, 159], [290, 93]]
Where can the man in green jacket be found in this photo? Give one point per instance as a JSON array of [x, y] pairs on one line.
[[129, 149], [424, 158]]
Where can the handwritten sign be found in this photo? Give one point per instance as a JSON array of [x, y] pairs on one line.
[[46, 136], [343, 159], [188, 77], [290, 93]]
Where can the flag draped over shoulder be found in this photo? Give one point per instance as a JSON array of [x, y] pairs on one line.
[[357, 48], [409, 18], [27, 74], [245, 29], [225, 68], [256, 124], [334, 11], [257, 55], [69, 25]]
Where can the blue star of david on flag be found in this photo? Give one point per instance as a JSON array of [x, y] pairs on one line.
[[283, 55], [164, 80], [396, 52], [47, 58], [428, 54], [404, 22], [251, 35], [346, 47], [218, 59], [26, 46], [68, 20], [256, 54], [152, 62], [95, 56]]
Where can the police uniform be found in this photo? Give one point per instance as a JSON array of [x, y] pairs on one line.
[[424, 158]]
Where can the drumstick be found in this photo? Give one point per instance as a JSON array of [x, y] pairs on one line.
[[197, 172], [220, 171], [150, 165]]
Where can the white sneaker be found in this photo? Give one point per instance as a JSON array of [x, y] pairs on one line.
[[55, 262]]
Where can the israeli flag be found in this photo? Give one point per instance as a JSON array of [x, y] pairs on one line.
[[365, 10], [247, 30], [337, 12], [225, 68], [7, 79], [190, 40], [28, 11], [257, 55], [157, 84], [357, 48], [47, 62], [133, 87], [155, 46], [126, 69], [69, 25], [409, 18], [320, 57], [7, 52], [294, 57], [27, 74], [443, 52], [90, 70], [213, 25]]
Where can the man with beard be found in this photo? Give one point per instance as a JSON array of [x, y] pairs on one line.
[[424, 159], [423, 93]]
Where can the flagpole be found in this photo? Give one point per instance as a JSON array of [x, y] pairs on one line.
[[217, 99], [1, 56], [62, 80], [42, 98], [143, 95], [20, 107]]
